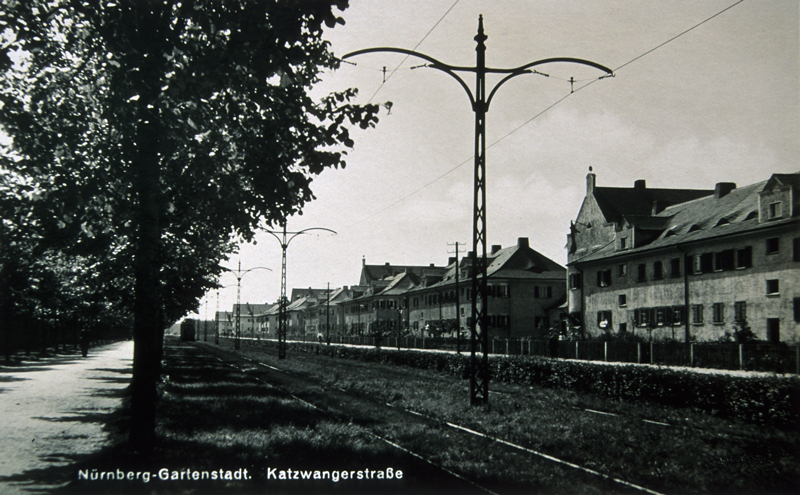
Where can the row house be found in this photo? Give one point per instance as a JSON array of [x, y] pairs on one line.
[[687, 264], [327, 316], [525, 290], [250, 320], [380, 307]]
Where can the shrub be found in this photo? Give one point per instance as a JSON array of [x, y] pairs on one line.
[[764, 399]]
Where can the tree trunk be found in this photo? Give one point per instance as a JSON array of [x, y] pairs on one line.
[[147, 300]]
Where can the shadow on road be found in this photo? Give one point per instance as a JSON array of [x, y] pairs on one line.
[[217, 422]]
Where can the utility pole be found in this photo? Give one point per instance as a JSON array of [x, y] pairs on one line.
[[479, 332], [239, 274], [284, 241], [458, 301]]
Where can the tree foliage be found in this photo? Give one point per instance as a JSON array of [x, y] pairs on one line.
[[148, 135]]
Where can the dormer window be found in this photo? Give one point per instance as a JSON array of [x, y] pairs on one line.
[[775, 210]]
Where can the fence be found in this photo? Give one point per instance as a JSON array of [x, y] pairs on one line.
[[779, 358]]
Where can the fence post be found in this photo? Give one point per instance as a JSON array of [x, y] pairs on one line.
[[506, 347], [638, 353], [691, 355], [652, 354], [741, 356], [605, 351], [577, 355]]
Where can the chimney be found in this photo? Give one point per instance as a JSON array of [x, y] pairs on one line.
[[640, 185], [723, 188], [432, 265], [451, 260], [591, 180], [496, 248], [387, 263], [363, 261], [522, 242]]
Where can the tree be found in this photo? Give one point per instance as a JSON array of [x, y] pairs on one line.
[[160, 129]]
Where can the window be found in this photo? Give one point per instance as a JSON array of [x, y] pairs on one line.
[[675, 267], [773, 287], [623, 300], [623, 243], [773, 245], [796, 249], [663, 316], [642, 317], [775, 210], [719, 312], [724, 260], [796, 303], [623, 270], [575, 281], [604, 319], [740, 311], [642, 273], [697, 314], [658, 270], [677, 315], [541, 322], [603, 278], [744, 257], [706, 262], [623, 328]]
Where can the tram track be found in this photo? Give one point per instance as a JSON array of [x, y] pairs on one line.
[[254, 366]]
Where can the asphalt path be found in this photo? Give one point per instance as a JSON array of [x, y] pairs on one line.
[[54, 413]]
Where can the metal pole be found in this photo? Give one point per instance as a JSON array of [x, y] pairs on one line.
[[284, 241], [238, 307], [282, 307], [328, 316], [479, 334]]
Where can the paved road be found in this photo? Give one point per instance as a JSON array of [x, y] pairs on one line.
[[53, 413]]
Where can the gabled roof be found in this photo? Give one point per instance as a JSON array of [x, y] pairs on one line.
[[255, 309], [618, 203], [733, 211], [372, 273], [515, 262]]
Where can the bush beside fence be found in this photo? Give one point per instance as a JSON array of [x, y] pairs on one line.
[[762, 399], [778, 358]]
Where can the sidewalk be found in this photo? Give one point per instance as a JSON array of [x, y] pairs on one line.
[[54, 412]]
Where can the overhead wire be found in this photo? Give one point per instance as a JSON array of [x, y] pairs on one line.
[[539, 114], [415, 47]]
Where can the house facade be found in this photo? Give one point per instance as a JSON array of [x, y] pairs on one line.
[[686, 264], [523, 287]]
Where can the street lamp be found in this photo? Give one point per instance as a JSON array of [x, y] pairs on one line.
[[239, 274], [284, 239], [479, 370]]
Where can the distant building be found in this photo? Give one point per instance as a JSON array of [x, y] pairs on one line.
[[687, 264], [523, 287]]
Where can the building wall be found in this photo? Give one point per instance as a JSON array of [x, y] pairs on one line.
[[515, 315], [728, 286]]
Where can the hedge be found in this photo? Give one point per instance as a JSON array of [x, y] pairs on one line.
[[772, 400]]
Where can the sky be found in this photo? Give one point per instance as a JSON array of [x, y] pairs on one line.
[[719, 103]]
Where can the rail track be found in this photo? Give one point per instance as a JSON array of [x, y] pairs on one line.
[[266, 374]]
